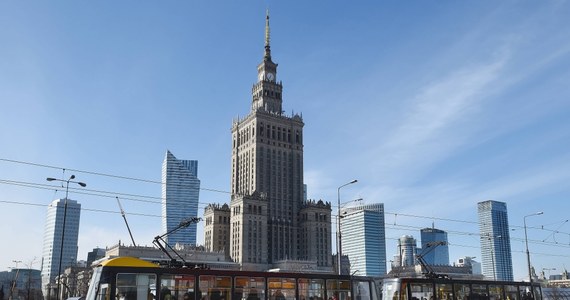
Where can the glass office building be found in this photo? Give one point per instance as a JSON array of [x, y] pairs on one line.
[[52, 250], [180, 195], [495, 240], [364, 239], [437, 238]]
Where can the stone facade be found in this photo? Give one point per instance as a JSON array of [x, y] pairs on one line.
[[217, 228], [270, 221]]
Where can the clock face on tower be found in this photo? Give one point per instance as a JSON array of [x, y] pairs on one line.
[[270, 76]]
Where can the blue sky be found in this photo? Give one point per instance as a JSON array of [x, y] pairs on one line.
[[432, 105]]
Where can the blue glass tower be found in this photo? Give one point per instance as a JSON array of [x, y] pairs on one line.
[[438, 255], [495, 240], [180, 195], [364, 239], [52, 240]]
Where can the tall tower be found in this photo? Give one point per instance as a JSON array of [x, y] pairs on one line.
[[364, 239], [180, 195], [53, 240], [407, 249], [495, 240], [267, 174], [438, 255]]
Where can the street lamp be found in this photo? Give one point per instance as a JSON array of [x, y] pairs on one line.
[[527, 253], [63, 228], [338, 240]]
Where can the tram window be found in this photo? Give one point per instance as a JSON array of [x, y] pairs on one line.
[[390, 289], [249, 288], [103, 293], [421, 291], [479, 292], [537, 294], [281, 288], [525, 293], [131, 286], [178, 287], [495, 292], [215, 287], [462, 291], [338, 289], [311, 289], [444, 291], [512, 292], [361, 290]]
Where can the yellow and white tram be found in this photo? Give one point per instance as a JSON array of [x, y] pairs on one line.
[[458, 289], [127, 278]]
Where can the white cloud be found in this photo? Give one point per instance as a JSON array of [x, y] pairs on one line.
[[431, 130]]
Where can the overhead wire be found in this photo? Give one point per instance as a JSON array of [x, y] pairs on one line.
[[103, 174], [157, 200]]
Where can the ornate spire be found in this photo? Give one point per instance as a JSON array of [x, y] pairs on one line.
[[267, 37]]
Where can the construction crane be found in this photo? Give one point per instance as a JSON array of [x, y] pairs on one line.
[[159, 240], [427, 270]]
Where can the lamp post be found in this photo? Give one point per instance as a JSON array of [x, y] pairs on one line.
[[339, 236], [528, 253], [63, 227]]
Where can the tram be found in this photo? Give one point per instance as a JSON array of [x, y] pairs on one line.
[[128, 278], [458, 289]]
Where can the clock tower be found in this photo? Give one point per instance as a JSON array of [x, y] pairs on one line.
[[271, 223], [267, 91]]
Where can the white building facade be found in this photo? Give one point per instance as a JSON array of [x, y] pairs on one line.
[[61, 213], [364, 239]]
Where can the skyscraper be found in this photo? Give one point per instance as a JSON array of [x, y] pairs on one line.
[[269, 218], [180, 194], [439, 255], [495, 240], [364, 238], [407, 249], [52, 249]]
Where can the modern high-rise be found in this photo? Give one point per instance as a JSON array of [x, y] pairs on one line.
[[57, 216], [407, 250], [270, 221], [180, 195], [364, 238], [495, 240], [436, 238]]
